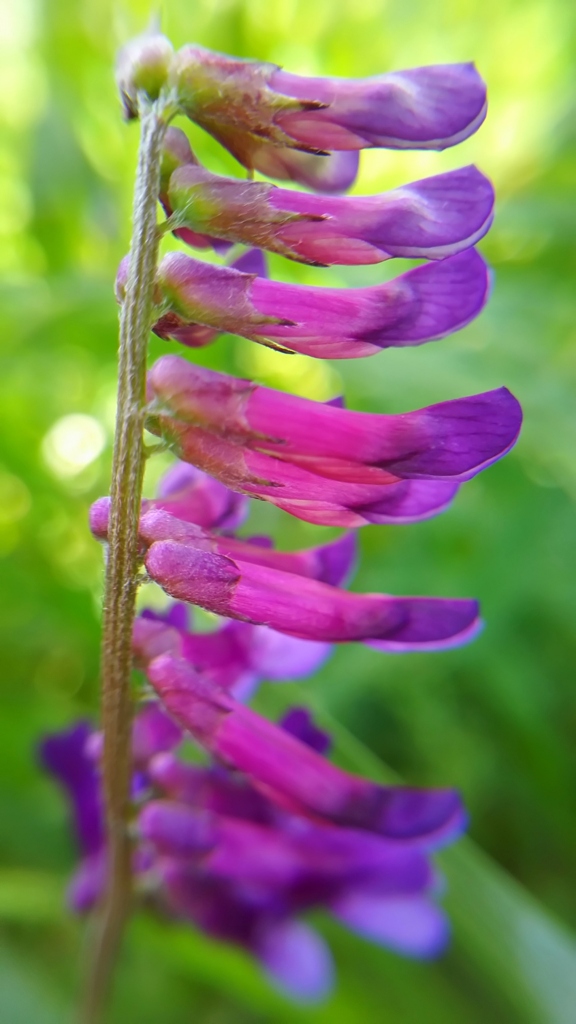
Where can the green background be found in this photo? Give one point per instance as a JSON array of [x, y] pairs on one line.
[[497, 719]]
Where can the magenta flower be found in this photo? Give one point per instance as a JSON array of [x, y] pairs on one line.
[[421, 305], [246, 104], [322, 463], [190, 494], [432, 218], [292, 774], [188, 564], [237, 656], [330, 563], [252, 262], [267, 828]]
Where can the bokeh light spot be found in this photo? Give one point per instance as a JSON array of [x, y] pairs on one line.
[[72, 443]]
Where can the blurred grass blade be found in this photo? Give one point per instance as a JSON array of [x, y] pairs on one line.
[[512, 939], [25, 998], [510, 947]]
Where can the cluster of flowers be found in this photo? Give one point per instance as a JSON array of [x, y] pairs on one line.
[[268, 827]]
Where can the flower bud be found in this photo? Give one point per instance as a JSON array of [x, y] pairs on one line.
[[142, 67]]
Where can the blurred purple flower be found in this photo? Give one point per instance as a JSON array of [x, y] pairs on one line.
[[64, 755], [236, 656], [243, 860]]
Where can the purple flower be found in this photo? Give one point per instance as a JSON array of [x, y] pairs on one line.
[[188, 565], [64, 755], [244, 104], [242, 862], [243, 853], [330, 563], [322, 463], [210, 788], [243, 880], [421, 305], [329, 173], [432, 218], [251, 262], [293, 955]]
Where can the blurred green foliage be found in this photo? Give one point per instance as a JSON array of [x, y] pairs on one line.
[[498, 718]]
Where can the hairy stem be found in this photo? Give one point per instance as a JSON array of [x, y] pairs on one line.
[[123, 560]]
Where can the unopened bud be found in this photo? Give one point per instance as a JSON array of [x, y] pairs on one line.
[[142, 67]]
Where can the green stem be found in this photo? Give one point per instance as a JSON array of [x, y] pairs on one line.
[[123, 560]]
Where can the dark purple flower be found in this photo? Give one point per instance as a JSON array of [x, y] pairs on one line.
[[211, 788], [245, 103], [432, 218], [64, 755], [67, 757], [242, 862], [299, 723], [293, 955], [421, 305], [322, 463], [286, 866]]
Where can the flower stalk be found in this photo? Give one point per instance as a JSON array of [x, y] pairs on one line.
[[123, 557]]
